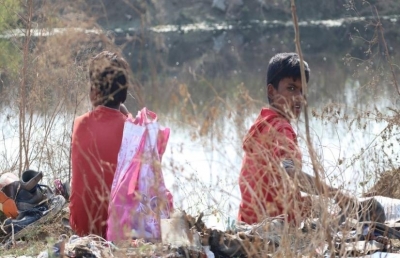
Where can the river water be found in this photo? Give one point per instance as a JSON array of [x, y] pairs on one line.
[[225, 68], [207, 83]]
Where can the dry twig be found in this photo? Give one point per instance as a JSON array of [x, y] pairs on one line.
[[319, 186]]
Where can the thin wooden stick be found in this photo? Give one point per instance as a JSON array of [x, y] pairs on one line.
[[304, 87], [388, 58], [320, 187], [23, 141]]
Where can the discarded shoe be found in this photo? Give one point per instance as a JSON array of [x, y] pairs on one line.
[[27, 193], [27, 200], [30, 178], [27, 204]]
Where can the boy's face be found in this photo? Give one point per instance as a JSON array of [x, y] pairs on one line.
[[288, 98]]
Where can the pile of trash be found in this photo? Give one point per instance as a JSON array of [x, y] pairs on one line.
[[25, 204], [187, 236], [368, 228]]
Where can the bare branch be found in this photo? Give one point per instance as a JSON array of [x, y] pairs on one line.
[[388, 57]]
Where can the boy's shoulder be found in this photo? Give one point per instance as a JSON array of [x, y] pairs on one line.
[[80, 123], [82, 117], [102, 113], [271, 115], [268, 113], [274, 119]]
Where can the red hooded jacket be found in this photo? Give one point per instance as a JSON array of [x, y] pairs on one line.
[[264, 185]]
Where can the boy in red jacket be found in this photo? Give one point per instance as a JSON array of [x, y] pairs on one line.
[[271, 178], [96, 140]]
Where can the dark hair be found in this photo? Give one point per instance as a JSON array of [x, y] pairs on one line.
[[108, 74], [285, 65]]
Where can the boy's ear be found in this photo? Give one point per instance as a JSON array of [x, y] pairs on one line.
[[271, 91], [95, 96]]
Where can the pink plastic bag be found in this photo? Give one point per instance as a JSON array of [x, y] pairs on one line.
[[139, 198]]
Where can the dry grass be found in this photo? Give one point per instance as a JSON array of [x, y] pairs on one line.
[[56, 84], [387, 184]]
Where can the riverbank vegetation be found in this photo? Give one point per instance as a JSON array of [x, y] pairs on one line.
[[206, 84]]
